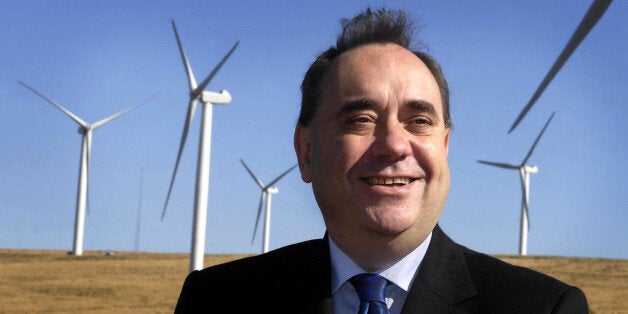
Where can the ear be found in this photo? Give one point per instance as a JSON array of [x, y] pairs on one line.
[[302, 146], [447, 132]]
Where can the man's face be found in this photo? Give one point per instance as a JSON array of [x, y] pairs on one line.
[[376, 149]]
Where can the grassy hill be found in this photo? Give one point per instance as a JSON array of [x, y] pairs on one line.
[[127, 282]]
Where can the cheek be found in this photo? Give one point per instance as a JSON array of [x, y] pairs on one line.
[[435, 163], [431, 155], [348, 151]]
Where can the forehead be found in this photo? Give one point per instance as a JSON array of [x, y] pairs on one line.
[[380, 71]]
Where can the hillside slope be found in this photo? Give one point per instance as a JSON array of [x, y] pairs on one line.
[[51, 281]]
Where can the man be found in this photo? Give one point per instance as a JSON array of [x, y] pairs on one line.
[[372, 138]]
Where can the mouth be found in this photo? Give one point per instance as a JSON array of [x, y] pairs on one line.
[[390, 181]]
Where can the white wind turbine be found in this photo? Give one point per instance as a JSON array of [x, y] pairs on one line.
[[207, 99], [138, 222], [524, 172], [267, 192], [85, 129]]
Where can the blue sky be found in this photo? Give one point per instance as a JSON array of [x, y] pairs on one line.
[[98, 58]]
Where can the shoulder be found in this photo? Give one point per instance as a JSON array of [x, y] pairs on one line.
[[513, 287], [259, 267], [259, 279], [476, 282], [266, 268], [488, 272]]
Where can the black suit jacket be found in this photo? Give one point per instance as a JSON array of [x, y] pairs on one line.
[[452, 279]]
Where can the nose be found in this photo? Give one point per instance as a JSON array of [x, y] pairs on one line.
[[391, 142]]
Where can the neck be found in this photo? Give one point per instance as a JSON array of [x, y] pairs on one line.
[[377, 251]]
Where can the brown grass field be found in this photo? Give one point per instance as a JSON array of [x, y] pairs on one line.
[[127, 282]]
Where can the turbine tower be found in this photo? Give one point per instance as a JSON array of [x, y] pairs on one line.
[[595, 12], [138, 223], [524, 173], [207, 99], [85, 129], [267, 192]]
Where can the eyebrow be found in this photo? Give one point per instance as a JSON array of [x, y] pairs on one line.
[[356, 105], [422, 105], [367, 103]]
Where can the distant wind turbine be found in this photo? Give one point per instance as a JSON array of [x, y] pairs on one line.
[[267, 192], [524, 172], [207, 99], [595, 12], [85, 129], [139, 214]]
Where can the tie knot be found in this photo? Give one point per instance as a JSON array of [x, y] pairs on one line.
[[370, 288]]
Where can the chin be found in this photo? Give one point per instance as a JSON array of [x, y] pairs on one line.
[[387, 232], [390, 226]]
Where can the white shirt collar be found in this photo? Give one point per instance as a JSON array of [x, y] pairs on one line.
[[401, 273]]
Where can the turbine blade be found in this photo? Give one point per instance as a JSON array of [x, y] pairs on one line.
[[258, 181], [525, 193], [110, 118], [281, 176], [498, 164], [186, 128], [66, 111], [526, 212], [198, 90], [525, 160], [259, 213], [595, 12], [528, 217], [186, 64]]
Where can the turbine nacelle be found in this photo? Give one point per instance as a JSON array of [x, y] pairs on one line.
[[531, 169], [216, 98], [272, 190]]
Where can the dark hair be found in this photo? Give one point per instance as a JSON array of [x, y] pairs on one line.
[[381, 26]]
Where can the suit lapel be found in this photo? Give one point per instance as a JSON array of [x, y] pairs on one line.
[[443, 279], [442, 282]]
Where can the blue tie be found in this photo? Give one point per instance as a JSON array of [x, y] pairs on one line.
[[370, 289]]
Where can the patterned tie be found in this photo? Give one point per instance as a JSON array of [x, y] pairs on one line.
[[370, 289]]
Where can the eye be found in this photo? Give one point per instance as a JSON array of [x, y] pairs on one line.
[[360, 120], [420, 120], [419, 125], [359, 124]]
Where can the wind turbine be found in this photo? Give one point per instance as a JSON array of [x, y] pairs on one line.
[[595, 12], [207, 99], [85, 129], [524, 172], [267, 192], [139, 214]]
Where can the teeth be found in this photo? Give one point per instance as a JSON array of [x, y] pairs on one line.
[[388, 181]]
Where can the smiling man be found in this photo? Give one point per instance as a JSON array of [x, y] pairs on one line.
[[372, 139], [376, 153]]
